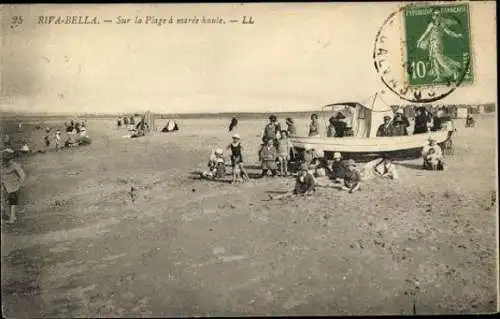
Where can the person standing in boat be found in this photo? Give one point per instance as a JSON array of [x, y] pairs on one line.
[[399, 126], [385, 129], [290, 127], [314, 126], [420, 121], [339, 125], [330, 130]]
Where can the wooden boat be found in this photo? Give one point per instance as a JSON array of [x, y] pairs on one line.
[[364, 143]]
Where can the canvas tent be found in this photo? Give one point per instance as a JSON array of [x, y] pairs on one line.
[[368, 116], [147, 122], [170, 126]]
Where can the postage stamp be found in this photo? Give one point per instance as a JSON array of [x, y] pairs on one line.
[[423, 53], [437, 44]]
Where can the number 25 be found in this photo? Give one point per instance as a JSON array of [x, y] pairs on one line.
[[17, 20]]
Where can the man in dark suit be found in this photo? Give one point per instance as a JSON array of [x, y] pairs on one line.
[[385, 129]]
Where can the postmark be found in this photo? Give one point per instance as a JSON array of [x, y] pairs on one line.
[[422, 53]]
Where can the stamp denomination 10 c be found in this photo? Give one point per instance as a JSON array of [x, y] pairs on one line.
[[438, 48]]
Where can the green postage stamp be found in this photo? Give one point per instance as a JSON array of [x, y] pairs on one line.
[[438, 46]]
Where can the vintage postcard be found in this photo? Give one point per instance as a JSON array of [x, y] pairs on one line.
[[270, 159]]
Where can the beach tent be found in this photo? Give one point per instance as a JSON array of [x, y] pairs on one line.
[[462, 112], [148, 121], [170, 126], [368, 116]]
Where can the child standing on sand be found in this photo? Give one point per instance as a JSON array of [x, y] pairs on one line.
[[58, 140], [268, 156], [237, 159], [284, 148], [13, 177]]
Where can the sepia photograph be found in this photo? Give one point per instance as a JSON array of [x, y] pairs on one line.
[[249, 159]]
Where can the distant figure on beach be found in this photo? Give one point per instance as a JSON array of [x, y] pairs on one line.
[[13, 177], [46, 138], [119, 122], [58, 140], [469, 121], [233, 124]]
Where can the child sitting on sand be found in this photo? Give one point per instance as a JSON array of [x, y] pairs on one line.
[[338, 169], [239, 171], [216, 165], [12, 178], [352, 179], [305, 184], [268, 156]]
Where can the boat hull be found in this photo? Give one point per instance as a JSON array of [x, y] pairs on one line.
[[395, 146]]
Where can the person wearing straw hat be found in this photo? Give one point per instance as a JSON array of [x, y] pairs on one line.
[[399, 125], [305, 184], [432, 155], [340, 125], [12, 177], [237, 159], [352, 178]]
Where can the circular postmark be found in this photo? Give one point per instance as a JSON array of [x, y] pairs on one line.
[[414, 59]]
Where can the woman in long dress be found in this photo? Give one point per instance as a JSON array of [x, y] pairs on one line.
[[432, 40]]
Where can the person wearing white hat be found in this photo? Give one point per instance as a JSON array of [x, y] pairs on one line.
[[432, 155], [12, 177], [236, 149], [216, 165], [338, 169]]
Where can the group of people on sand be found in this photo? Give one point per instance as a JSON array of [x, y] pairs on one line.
[[276, 152], [125, 121]]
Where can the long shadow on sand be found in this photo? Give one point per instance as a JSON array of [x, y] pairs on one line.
[[411, 165]]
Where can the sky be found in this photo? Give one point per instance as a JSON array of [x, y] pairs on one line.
[[295, 57]]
